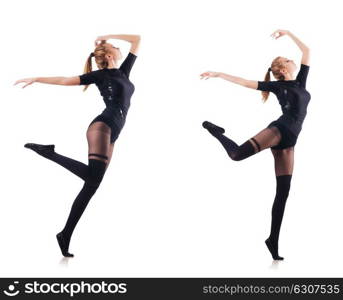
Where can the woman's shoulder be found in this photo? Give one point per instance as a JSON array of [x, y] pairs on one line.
[[95, 72]]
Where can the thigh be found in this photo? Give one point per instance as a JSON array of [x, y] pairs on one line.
[[266, 138], [98, 137], [283, 161], [109, 153]]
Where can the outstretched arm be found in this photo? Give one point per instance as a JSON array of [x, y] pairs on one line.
[[235, 79], [75, 80], [305, 60], [134, 39]]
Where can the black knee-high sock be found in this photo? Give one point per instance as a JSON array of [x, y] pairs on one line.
[[76, 167], [283, 184], [233, 150], [96, 172]]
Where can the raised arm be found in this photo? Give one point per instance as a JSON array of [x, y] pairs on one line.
[[235, 79], [134, 39], [305, 59]]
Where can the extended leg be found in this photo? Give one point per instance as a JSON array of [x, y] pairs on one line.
[[48, 151], [76, 167], [284, 161], [266, 138]]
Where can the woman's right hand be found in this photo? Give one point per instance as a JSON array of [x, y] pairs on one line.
[[28, 81], [281, 32], [209, 74]]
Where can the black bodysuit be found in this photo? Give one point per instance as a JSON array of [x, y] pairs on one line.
[[116, 89], [293, 98]]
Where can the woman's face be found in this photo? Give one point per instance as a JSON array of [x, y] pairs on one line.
[[114, 52], [289, 65]]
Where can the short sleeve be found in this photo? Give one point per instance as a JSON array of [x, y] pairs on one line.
[[89, 78], [268, 86], [302, 75], [128, 63]]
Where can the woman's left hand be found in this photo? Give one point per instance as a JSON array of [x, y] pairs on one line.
[[209, 74], [28, 81], [280, 32]]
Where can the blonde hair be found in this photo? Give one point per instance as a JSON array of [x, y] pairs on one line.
[[275, 68], [100, 59]]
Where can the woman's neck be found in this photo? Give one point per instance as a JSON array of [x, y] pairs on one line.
[[288, 77], [112, 65]]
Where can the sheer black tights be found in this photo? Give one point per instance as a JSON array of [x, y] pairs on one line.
[[283, 164], [266, 138], [98, 137], [99, 155]]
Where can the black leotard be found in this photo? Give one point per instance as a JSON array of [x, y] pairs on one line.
[[293, 98], [116, 89]]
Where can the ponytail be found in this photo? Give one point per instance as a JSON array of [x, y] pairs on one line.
[[277, 65], [265, 94], [99, 55], [88, 68]]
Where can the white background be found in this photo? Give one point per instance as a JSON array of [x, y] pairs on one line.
[[171, 203]]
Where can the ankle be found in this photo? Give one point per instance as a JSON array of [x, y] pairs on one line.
[[65, 237], [272, 241]]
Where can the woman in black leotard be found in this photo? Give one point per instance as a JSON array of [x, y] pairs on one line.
[[280, 135], [116, 89]]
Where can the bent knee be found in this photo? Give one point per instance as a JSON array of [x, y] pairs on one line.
[[237, 156]]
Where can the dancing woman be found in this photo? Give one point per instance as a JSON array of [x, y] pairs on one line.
[[116, 89], [280, 135]]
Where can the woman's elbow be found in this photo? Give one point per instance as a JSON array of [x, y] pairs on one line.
[[306, 49], [137, 38]]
